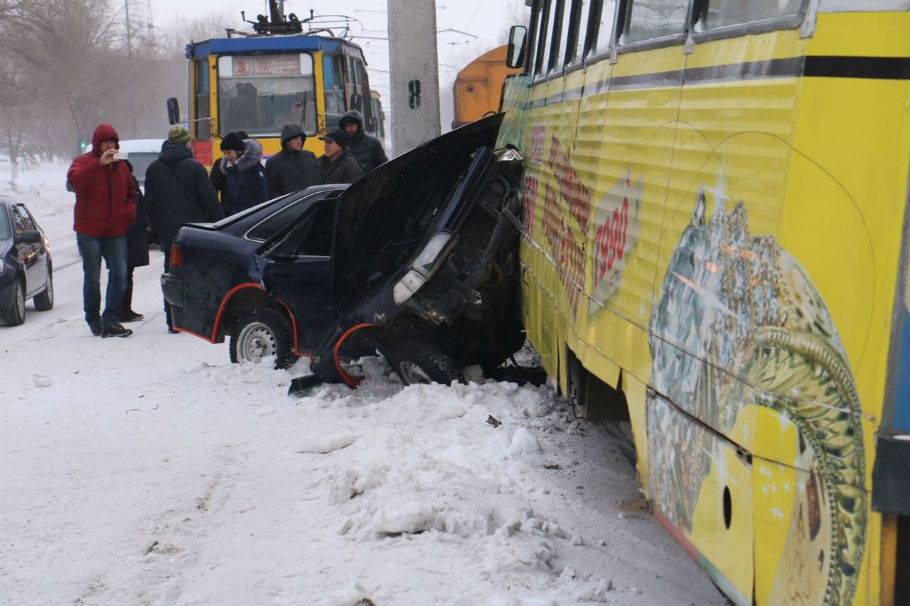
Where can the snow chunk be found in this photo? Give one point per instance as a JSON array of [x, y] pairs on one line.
[[328, 444], [523, 442], [41, 381], [412, 518]]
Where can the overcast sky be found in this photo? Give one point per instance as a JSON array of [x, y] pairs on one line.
[[486, 19]]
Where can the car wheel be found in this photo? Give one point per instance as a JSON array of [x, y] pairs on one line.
[[260, 334], [45, 301], [14, 315], [418, 362]]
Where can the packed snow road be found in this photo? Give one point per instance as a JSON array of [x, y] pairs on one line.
[[150, 470]]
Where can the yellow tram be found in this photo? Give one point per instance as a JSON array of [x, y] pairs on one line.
[[716, 250], [258, 83]]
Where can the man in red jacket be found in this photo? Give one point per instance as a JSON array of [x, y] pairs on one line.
[[105, 209]]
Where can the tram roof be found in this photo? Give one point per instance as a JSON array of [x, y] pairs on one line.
[[262, 44]]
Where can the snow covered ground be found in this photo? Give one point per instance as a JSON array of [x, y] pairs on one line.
[[150, 470]]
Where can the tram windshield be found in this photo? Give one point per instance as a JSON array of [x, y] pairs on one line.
[[260, 93]]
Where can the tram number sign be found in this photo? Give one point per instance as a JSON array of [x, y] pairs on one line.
[[267, 65]]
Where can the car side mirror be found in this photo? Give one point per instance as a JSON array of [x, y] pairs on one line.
[[28, 236], [173, 111], [515, 55]]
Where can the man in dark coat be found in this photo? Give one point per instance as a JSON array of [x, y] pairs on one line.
[[293, 168], [177, 191], [244, 176], [137, 251], [368, 150], [337, 165], [105, 209]]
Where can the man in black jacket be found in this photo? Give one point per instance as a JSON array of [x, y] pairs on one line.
[[337, 165], [293, 168], [177, 191], [368, 150]]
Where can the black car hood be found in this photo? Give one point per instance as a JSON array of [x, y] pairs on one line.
[[384, 216]]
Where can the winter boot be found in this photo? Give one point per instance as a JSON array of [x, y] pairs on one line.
[[115, 330]]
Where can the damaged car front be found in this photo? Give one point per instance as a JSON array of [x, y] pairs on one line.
[[425, 262]]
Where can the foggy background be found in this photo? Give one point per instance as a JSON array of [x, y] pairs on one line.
[[67, 66]]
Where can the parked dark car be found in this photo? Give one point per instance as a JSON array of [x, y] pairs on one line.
[[418, 260], [26, 269]]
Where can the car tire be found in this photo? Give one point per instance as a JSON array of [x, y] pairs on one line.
[[259, 334], [14, 314], [420, 362], [44, 301]]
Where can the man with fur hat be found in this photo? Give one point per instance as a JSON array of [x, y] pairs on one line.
[[244, 177], [337, 165], [105, 209], [293, 168], [368, 150], [177, 191]]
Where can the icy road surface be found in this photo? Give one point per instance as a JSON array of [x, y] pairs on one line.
[[150, 470]]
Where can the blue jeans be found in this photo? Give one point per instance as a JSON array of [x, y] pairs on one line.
[[113, 251]]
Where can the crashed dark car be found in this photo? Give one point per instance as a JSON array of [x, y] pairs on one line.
[[416, 260]]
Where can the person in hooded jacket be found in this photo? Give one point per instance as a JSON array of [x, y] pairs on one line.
[[105, 209], [337, 165], [293, 168], [177, 191], [137, 251], [367, 149], [217, 176], [244, 177]]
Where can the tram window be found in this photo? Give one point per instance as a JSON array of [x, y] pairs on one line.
[[651, 19], [604, 25], [202, 124], [260, 93], [560, 8], [333, 76], [579, 30], [723, 13], [546, 28], [533, 33], [560, 34]]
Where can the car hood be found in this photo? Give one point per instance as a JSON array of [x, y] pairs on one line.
[[384, 216]]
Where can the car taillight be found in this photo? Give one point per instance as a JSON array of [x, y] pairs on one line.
[[176, 259]]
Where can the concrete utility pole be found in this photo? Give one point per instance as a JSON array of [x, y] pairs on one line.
[[414, 78]]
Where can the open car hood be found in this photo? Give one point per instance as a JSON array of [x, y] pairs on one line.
[[384, 217]]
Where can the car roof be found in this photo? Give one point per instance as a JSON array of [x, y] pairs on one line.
[[135, 146]]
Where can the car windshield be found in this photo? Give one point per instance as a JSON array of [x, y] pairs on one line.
[[259, 94], [5, 232]]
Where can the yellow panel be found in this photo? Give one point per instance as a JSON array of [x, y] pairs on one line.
[[703, 488]]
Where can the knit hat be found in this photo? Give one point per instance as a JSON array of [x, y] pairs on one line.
[[178, 134], [232, 141], [338, 136]]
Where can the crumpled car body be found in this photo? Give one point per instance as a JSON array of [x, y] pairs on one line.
[[417, 259]]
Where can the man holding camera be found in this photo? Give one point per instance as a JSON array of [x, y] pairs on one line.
[[105, 209]]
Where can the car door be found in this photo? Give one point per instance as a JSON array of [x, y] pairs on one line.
[[32, 256], [297, 270]]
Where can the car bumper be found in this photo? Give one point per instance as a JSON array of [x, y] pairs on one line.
[[172, 288]]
